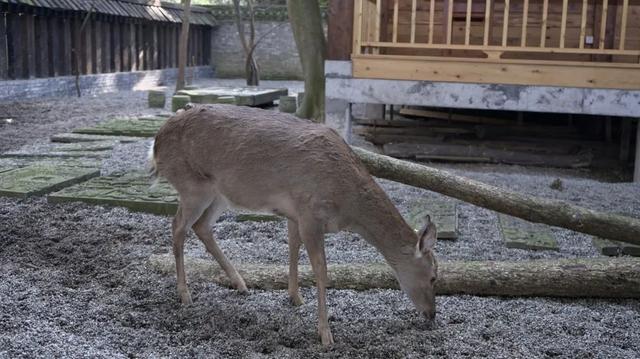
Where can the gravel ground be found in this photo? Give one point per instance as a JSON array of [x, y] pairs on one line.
[[74, 280]]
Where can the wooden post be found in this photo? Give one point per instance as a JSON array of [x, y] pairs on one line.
[[30, 45], [88, 47], [16, 61], [126, 46], [4, 50], [625, 139], [154, 44], [140, 47], [42, 49], [636, 169]]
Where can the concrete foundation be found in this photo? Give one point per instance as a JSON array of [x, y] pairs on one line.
[[95, 84]]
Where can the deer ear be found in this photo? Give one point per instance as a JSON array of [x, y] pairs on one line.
[[426, 237]]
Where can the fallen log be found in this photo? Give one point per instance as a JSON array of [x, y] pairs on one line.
[[595, 278], [530, 208]]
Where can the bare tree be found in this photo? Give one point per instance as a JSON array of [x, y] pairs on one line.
[[251, 70], [183, 45], [306, 23], [76, 48]]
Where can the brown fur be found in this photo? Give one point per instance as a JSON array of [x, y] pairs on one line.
[[218, 156]]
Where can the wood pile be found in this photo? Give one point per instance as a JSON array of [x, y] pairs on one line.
[[427, 134]]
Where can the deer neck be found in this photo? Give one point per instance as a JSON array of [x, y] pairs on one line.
[[380, 223]]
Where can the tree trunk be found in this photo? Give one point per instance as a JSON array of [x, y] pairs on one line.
[[184, 42], [251, 70], [533, 209], [602, 278], [306, 22]]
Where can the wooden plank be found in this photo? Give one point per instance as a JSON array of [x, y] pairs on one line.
[[487, 22], [525, 19], [450, 19], [89, 54], [454, 116], [467, 24], [4, 50], [43, 66], [395, 21], [505, 23], [16, 46], [563, 22], [357, 30], [154, 45], [132, 46], [432, 10], [603, 23], [623, 26], [55, 34], [378, 18], [126, 46], [30, 45], [583, 23], [543, 23], [67, 47], [117, 47], [98, 45], [507, 72], [107, 46]]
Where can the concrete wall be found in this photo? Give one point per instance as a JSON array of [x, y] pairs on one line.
[[277, 55], [95, 84]]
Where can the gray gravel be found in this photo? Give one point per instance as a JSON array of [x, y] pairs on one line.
[[74, 280]]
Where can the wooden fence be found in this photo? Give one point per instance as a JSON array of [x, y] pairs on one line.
[[37, 42]]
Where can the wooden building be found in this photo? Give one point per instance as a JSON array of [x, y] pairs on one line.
[[577, 57], [39, 38]]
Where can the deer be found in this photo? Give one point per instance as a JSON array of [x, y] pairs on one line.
[[226, 156]]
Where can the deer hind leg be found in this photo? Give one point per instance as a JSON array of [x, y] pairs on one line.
[[202, 227], [313, 239], [294, 255], [189, 210]]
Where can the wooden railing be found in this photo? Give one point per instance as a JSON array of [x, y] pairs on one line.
[[524, 29]]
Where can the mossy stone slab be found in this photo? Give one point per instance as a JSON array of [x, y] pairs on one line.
[[444, 213], [521, 234], [179, 102], [83, 162], [59, 154], [124, 127], [287, 104], [131, 190], [157, 98], [78, 137], [39, 179], [244, 96], [615, 248]]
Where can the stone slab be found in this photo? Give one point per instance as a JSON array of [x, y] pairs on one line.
[[61, 154], [124, 127], [83, 162], [79, 137], [244, 96], [287, 104], [615, 248], [521, 234], [131, 190], [179, 102], [444, 213], [39, 179]]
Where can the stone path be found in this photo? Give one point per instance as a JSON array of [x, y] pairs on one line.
[[244, 96], [39, 179], [444, 213]]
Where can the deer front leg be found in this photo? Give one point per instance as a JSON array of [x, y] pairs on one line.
[[203, 230], [294, 254], [313, 239]]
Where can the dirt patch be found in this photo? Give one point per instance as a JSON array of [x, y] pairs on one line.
[[74, 280]]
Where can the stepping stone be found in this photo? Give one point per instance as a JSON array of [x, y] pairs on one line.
[[124, 127], [157, 97], [131, 190], [179, 102], [244, 96], [287, 104], [61, 154], [521, 234], [39, 179], [96, 149], [78, 137], [444, 213], [19, 162], [615, 248]]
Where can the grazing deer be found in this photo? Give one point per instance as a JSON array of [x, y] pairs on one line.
[[220, 156]]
